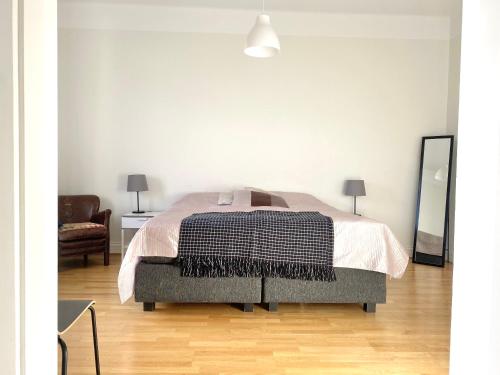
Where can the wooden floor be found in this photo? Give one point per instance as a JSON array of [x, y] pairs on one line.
[[408, 335]]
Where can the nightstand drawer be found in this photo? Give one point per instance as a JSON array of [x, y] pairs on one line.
[[133, 222]]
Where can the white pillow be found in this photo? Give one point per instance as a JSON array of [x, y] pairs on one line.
[[225, 199]]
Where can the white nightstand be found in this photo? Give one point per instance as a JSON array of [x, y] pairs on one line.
[[134, 221]]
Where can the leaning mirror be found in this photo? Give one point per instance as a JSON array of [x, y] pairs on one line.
[[431, 225]]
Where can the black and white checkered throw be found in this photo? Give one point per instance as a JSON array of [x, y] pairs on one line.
[[292, 245]]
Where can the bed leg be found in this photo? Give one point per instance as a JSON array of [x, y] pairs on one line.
[[272, 306], [369, 307], [148, 306], [248, 307]]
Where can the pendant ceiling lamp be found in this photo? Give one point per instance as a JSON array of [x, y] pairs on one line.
[[262, 40]]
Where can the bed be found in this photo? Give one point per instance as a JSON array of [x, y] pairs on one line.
[[365, 252]]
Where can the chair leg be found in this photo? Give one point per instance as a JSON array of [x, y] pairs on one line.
[[64, 352], [96, 346], [106, 255]]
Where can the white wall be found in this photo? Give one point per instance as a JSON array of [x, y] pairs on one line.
[[452, 128], [453, 102], [475, 324], [194, 114]]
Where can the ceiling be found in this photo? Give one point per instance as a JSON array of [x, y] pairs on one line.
[[409, 7]]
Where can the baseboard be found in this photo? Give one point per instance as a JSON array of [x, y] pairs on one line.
[[115, 247]]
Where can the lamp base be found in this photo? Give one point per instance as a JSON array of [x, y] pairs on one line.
[[138, 212]]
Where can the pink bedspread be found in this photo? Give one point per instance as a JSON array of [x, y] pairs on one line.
[[359, 242]]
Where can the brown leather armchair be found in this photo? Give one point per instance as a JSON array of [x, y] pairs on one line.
[[84, 229]]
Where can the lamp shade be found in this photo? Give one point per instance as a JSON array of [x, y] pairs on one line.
[[262, 40], [355, 188], [137, 182]]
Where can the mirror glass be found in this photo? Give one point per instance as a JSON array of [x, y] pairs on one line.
[[431, 227]]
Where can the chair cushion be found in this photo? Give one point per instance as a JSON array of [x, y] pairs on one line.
[[79, 246], [81, 231]]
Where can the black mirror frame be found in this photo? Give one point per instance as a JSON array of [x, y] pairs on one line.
[[447, 206]]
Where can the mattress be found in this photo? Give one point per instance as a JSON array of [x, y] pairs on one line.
[[360, 242]]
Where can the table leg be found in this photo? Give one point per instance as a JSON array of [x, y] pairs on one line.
[[123, 235], [96, 346], [64, 351]]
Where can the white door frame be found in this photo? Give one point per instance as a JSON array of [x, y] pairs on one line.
[[475, 323], [28, 192], [9, 239]]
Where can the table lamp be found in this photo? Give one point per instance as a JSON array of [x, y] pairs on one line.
[[137, 183], [355, 188]]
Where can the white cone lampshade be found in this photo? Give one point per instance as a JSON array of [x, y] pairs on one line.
[[262, 41]]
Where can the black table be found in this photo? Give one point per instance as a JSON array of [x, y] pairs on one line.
[[69, 312]]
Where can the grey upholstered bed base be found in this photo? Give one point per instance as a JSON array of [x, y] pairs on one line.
[[352, 286], [161, 282]]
